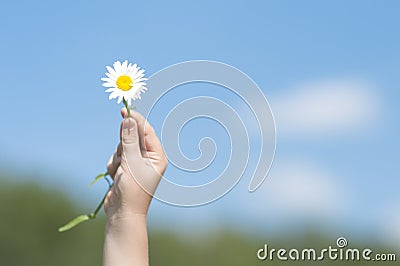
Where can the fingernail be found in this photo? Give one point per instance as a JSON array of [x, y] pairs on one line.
[[128, 126]]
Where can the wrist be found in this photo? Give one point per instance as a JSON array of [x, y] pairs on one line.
[[126, 240], [125, 218]]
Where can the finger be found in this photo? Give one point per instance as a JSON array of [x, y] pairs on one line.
[[114, 161], [110, 167], [130, 140], [150, 139], [124, 114], [113, 164], [119, 149]]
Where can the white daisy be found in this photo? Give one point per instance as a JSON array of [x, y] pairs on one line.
[[125, 82]]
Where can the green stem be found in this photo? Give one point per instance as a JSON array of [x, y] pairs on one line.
[[98, 177], [127, 107], [93, 214], [84, 217]]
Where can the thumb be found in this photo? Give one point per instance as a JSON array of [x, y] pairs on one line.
[[130, 139]]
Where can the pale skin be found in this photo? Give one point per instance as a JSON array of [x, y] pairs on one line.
[[136, 167]]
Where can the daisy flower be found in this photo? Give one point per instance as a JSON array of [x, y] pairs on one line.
[[125, 82]]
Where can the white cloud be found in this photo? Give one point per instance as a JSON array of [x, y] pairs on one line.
[[299, 188], [325, 107], [296, 191], [302, 189], [390, 224]]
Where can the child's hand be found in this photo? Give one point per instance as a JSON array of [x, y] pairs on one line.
[[136, 167]]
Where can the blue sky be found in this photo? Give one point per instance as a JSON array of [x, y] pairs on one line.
[[336, 63]]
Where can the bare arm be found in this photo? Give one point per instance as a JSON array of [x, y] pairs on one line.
[[136, 167]]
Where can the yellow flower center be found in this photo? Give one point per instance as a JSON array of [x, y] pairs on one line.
[[124, 83]]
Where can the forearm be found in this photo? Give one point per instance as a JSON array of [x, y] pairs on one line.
[[126, 241]]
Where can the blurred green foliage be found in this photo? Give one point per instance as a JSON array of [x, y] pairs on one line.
[[30, 216]]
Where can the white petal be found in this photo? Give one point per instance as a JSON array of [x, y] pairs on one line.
[[110, 76], [124, 67], [133, 69], [106, 79], [113, 95], [139, 84], [132, 72], [119, 99], [139, 74], [117, 67], [141, 79], [108, 84], [111, 71], [110, 90]]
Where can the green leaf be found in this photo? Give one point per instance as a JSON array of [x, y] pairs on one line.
[[100, 176], [74, 222]]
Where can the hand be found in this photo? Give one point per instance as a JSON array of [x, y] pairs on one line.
[[136, 167]]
